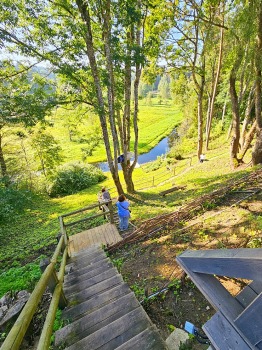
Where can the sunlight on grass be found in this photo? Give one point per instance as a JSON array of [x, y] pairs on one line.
[[24, 239], [155, 122]]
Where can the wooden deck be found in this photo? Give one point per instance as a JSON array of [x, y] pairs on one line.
[[237, 323], [106, 234]]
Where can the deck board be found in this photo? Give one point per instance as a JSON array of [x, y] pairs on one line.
[[106, 234]]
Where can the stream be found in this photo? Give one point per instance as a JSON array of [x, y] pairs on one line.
[[160, 149]]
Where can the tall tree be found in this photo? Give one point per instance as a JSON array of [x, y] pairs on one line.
[[257, 151], [24, 99], [96, 45], [211, 104], [186, 48]]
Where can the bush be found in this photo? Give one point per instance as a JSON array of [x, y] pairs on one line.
[[12, 201], [74, 177]]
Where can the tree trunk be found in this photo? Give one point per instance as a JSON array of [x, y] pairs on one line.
[[127, 172], [235, 122], [250, 104], [136, 85], [130, 168], [248, 139], [84, 11], [257, 151], [2, 159], [234, 148], [212, 104], [229, 130], [224, 112], [200, 119], [111, 81]]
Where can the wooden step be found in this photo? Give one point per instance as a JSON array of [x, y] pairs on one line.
[[103, 312], [250, 320], [249, 293], [97, 319], [149, 339], [85, 262], [119, 332], [88, 251], [81, 274], [95, 302], [86, 254], [224, 335], [73, 288], [91, 291]]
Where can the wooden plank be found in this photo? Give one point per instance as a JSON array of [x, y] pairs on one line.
[[85, 263], [224, 336], [249, 293], [149, 339], [259, 346], [82, 220], [246, 296], [119, 331], [80, 210], [256, 286], [214, 292], [89, 282], [98, 288], [240, 263], [104, 234], [88, 306], [81, 259], [250, 321], [96, 320], [163, 193], [88, 251], [75, 276]]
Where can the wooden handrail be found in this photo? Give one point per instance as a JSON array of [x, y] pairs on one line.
[[55, 282], [108, 210], [45, 338], [80, 210], [85, 219], [18, 331]]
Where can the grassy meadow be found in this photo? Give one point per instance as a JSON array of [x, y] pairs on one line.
[[155, 122]]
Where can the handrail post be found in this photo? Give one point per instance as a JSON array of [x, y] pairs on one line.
[[63, 233], [110, 207], [53, 281]]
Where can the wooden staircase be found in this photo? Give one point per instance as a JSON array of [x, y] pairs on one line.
[[103, 312], [237, 324]]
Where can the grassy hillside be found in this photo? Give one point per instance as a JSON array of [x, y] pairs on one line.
[[31, 235], [155, 122]]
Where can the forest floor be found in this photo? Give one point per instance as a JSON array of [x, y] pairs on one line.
[[150, 266]]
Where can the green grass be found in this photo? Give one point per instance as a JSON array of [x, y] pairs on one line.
[[155, 122], [31, 234]]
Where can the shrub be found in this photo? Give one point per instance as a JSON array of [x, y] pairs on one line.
[[155, 165], [12, 201], [74, 177]]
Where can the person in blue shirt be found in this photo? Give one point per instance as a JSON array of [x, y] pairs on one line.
[[123, 212]]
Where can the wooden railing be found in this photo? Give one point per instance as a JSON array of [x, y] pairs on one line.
[[107, 211], [52, 280], [55, 282]]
